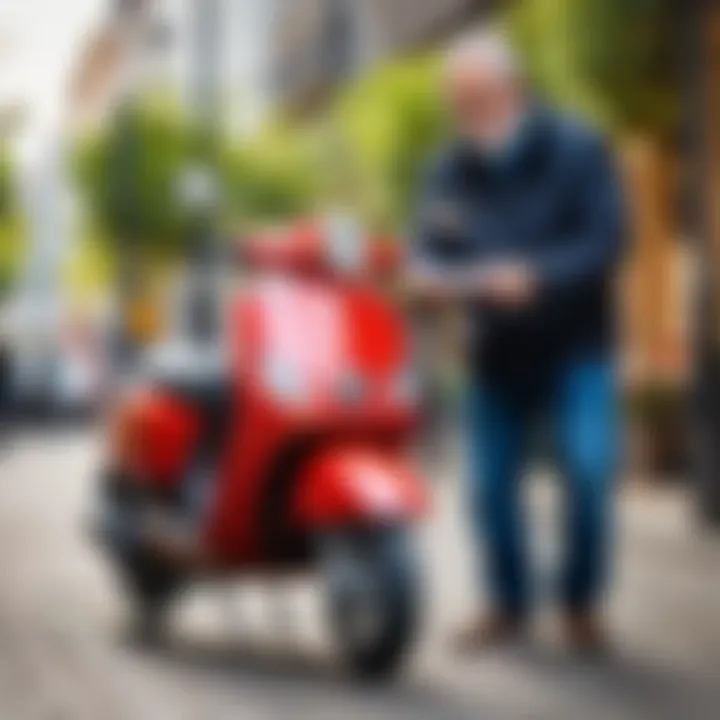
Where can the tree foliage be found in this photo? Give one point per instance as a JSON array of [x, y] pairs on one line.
[[613, 61], [385, 127], [129, 175], [273, 176], [609, 60]]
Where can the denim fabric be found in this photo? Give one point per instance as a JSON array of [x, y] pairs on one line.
[[578, 396]]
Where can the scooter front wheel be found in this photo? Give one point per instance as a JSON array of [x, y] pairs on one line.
[[373, 595]]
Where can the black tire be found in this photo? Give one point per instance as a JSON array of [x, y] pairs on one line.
[[385, 559], [149, 583]]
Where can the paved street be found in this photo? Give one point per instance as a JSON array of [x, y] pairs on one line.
[[63, 655]]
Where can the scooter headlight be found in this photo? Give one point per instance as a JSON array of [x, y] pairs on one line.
[[345, 244], [284, 381]]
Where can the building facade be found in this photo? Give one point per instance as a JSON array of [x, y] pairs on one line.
[[321, 43]]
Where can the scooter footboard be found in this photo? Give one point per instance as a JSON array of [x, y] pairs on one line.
[[351, 485]]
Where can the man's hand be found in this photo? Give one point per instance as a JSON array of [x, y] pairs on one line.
[[510, 285]]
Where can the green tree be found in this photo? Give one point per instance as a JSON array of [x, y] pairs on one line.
[[274, 176], [385, 126], [613, 61], [128, 175], [627, 53]]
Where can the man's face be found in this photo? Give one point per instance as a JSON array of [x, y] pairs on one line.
[[487, 105]]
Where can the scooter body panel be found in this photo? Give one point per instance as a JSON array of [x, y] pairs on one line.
[[348, 486], [316, 361], [154, 436]]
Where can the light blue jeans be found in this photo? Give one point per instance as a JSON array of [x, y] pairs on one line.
[[579, 399]]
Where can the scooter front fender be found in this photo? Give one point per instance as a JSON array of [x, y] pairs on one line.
[[346, 485]]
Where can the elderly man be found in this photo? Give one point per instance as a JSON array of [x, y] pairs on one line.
[[521, 221]]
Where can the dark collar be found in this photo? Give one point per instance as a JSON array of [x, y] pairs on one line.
[[532, 148]]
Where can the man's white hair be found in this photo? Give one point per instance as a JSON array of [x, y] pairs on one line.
[[488, 47]]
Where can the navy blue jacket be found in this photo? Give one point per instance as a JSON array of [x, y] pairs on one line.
[[555, 202]]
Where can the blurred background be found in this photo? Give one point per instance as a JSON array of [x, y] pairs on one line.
[[110, 109]]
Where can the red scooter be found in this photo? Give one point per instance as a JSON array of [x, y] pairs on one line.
[[293, 444]]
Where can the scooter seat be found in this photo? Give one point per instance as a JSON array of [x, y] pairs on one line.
[[194, 372]]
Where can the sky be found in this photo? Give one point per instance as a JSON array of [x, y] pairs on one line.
[[40, 41]]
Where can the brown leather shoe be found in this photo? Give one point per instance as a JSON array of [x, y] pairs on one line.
[[585, 631], [487, 631]]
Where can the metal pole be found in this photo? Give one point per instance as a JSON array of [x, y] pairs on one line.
[[205, 99], [206, 91], [125, 169]]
